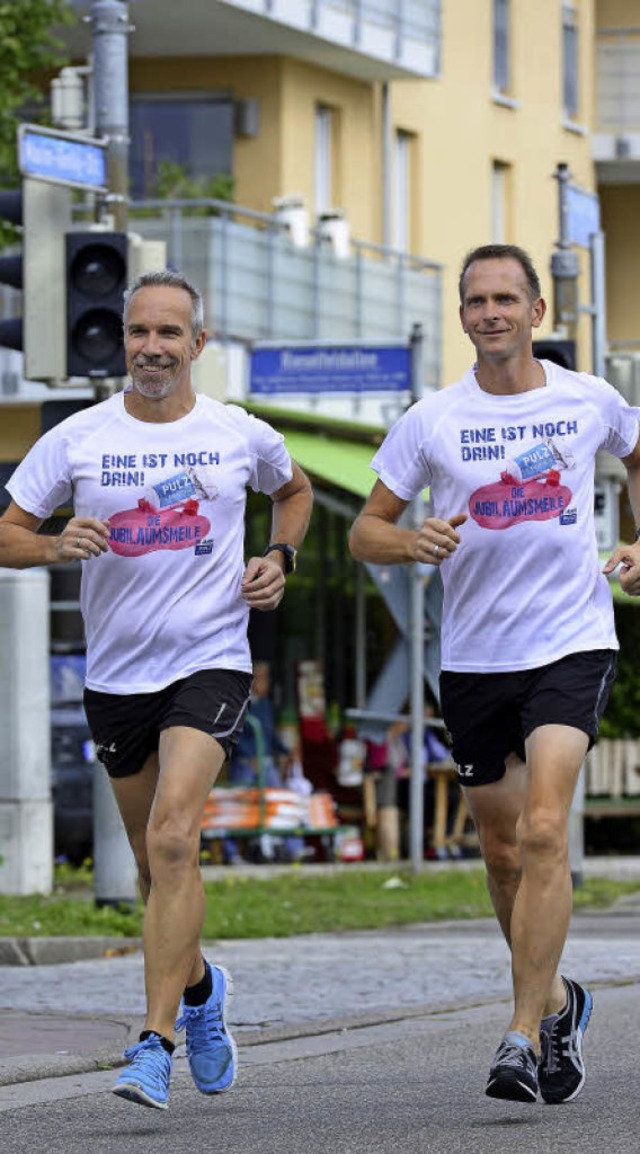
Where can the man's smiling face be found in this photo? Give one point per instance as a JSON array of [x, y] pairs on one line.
[[498, 312], [159, 341]]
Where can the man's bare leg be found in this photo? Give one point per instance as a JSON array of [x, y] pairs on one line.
[[162, 810], [495, 810], [543, 902]]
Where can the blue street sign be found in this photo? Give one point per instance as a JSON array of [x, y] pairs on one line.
[[60, 158], [330, 369], [583, 215]]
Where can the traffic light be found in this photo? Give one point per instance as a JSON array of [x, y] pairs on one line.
[[560, 350], [43, 212], [96, 277], [11, 330]]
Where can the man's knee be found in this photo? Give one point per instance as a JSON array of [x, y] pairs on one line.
[[172, 844], [502, 860], [542, 834]]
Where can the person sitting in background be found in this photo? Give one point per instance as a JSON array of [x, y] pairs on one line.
[[245, 768], [399, 761]]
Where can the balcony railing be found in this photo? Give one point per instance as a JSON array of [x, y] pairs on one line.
[[368, 39], [398, 30], [618, 81], [259, 285], [418, 19]]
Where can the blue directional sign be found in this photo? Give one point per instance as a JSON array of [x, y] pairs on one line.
[[583, 215], [61, 158], [330, 369]]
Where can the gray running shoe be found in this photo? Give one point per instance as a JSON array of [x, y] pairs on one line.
[[561, 1071], [514, 1073]]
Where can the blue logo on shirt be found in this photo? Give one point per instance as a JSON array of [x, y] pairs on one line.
[[204, 547], [569, 517]]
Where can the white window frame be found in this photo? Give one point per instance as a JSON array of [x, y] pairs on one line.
[[501, 47], [402, 183], [499, 202], [323, 159], [570, 62]]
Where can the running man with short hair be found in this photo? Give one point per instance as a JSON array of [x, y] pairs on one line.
[[528, 644], [158, 477]]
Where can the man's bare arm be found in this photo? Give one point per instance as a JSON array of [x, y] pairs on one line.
[[263, 582], [375, 536], [22, 547]]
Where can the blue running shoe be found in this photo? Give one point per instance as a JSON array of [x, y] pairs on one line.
[[212, 1052], [561, 1069], [146, 1080]]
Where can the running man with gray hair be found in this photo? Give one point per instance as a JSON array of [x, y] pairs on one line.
[[528, 637], [158, 476]]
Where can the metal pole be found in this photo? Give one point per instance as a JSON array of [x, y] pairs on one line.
[[387, 207], [361, 638], [416, 651], [115, 874], [110, 27], [576, 833], [599, 300], [564, 265]]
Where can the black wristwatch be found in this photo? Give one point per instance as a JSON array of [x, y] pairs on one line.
[[290, 554]]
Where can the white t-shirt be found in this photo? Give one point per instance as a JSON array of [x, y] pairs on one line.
[[164, 600], [524, 587]]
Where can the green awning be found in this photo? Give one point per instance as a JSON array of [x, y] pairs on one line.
[[345, 464]]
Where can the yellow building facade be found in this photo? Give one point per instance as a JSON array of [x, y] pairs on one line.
[[616, 150], [478, 151], [427, 154]]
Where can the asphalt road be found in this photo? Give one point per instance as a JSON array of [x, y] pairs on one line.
[[360, 1043], [414, 1086]]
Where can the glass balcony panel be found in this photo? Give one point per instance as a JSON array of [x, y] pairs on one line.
[[258, 285]]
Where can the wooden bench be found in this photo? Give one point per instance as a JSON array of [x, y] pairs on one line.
[[598, 807]]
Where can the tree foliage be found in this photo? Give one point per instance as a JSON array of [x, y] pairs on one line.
[[174, 183], [622, 715], [29, 48]]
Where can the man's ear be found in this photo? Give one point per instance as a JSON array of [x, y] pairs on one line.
[[198, 345], [539, 310]]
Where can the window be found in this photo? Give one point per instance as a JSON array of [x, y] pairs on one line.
[[402, 181], [570, 61], [500, 181], [195, 132], [501, 46], [324, 159]]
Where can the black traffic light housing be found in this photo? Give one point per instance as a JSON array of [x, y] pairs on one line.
[[11, 270], [560, 350], [96, 276]]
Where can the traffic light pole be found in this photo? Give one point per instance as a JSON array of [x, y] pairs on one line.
[[565, 270], [416, 647], [115, 875], [110, 28]]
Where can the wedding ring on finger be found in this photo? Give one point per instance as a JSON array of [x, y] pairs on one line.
[[436, 550]]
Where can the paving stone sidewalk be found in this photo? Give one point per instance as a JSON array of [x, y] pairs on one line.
[[78, 1013]]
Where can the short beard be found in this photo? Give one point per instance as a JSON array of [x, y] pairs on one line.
[[153, 392]]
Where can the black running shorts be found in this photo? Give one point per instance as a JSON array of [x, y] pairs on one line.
[[126, 727], [490, 715]]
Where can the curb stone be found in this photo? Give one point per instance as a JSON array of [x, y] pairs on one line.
[[55, 950]]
